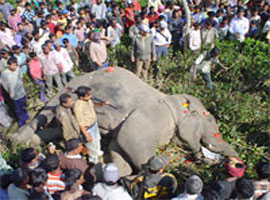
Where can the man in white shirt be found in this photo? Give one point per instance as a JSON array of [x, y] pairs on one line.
[[239, 26], [114, 32], [203, 65], [162, 39], [99, 10], [36, 43], [194, 37], [63, 55], [51, 67], [110, 190], [6, 36]]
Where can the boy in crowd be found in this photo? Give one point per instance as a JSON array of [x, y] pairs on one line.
[[35, 70], [55, 180]]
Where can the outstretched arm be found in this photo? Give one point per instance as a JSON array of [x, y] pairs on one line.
[[221, 65]]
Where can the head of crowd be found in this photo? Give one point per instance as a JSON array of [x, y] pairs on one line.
[[45, 41]]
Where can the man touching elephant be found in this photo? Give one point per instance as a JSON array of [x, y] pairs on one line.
[[87, 119]]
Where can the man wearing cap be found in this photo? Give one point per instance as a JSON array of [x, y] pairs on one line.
[[239, 26], [143, 51], [162, 39], [203, 65], [109, 189], [156, 183]]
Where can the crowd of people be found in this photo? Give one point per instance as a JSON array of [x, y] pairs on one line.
[[68, 176], [44, 41]]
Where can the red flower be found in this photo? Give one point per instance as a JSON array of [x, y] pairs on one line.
[[185, 111], [109, 69], [187, 161], [216, 135]]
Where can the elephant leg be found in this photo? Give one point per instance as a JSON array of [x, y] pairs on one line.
[[115, 156], [50, 134]]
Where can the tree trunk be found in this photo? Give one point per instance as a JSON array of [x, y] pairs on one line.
[[187, 14]]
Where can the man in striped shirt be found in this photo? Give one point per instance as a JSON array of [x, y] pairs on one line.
[[28, 14], [55, 174]]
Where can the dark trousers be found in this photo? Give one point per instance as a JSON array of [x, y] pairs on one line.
[[20, 110]]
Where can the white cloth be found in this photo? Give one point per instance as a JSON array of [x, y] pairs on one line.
[[65, 59], [162, 38], [240, 26], [195, 39], [107, 192]]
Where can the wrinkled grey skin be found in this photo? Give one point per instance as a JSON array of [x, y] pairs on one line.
[[145, 118]]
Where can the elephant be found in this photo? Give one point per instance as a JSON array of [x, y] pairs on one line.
[[140, 119]]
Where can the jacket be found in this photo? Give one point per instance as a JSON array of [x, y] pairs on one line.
[[143, 48], [69, 124]]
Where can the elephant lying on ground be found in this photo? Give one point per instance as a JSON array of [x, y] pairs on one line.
[[142, 119]]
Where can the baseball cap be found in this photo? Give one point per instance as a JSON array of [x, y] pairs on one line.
[[156, 163], [110, 173]]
